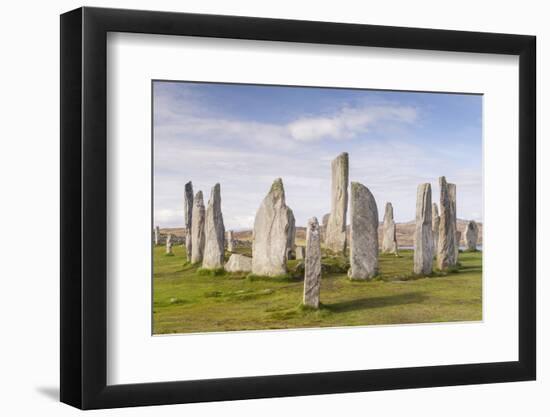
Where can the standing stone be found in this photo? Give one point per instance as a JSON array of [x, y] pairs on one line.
[[447, 236], [335, 239], [435, 226], [188, 207], [458, 239], [291, 236], [312, 272], [300, 252], [389, 237], [470, 235], [423, 235], [324, 227], [363, 233], [157, 235], [197, 229], [452, 197], [214, 232], [270, 236], [169, 244], [230, 241]]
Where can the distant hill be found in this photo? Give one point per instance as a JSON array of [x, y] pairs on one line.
[[405, 233]]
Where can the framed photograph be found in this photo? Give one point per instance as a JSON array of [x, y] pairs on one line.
[[258, 208]]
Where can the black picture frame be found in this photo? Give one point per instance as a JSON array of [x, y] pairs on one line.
[[84, 207]]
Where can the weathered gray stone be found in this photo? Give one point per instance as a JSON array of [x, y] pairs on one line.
[[157, 236], [230, 241], [291, 236], [458, 241], [423, 236], [446, 256], [169, 244], [452, 197], [335, 235], [389, 236], [363, 233], [238, 263], [270, 236], [312, 271], [300, 252], [470, 235], [214, 232], [197, 229], [188, 207], [435, 227]]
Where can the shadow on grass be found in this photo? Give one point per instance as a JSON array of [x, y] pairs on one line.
[[376, 302]]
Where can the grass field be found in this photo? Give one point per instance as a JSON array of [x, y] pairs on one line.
[[187, 301]]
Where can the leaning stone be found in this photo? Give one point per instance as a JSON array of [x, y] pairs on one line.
[[197, 229], [312, 273], [270, 237], [335, 236], [470, 235], [238, 263], [446, 247], [300, 252], [389, 237], [188, 203], [423, 238], [363, 233], [435, 226], [214, 232], [230, 241], [291, 236], [452, 197]]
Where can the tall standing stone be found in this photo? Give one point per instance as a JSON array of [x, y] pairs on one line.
[[157, 235], [188, 207], [435, 226], [270, 237], [291, 236], [363, 233], [335, 239], [452, 197], [447, 236], [470, 235], [423, 235], [197, 229], [214, 232], [389, 235], [312, 272], [169, 244], [230, 241]]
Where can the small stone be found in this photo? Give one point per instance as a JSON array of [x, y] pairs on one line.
[[214, 232], [291, 236], [230, 241], [312, 274], [238, 263], [197, 229], [157, 236], [270, 236], [335, 235], [470, 235], [188, 207], [300, 252], [389, 236], [363, 233], [169, 244], [423, 238]]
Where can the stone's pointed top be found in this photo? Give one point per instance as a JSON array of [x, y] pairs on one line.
[[198, 199], [215, 194], [388, 211], [189, 185], [358, 187], [442, 180], [313, 223], [277, 190], [343, 155]]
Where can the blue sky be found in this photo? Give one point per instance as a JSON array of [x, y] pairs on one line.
[[245, 136]]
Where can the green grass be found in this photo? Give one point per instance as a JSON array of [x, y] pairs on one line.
[[188, 299]]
